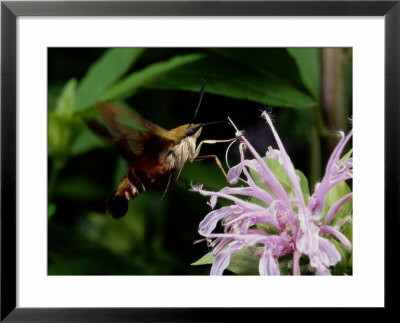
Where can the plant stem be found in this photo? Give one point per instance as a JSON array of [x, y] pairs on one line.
[[335, 89], [315, 157], [319, 120]]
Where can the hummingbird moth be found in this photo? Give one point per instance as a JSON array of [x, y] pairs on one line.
[[153, 153]]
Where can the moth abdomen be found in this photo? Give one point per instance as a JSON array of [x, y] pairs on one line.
[[129, 187], [118, 206], [135, 181]]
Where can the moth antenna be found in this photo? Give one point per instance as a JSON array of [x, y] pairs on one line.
[[203, 84], [214, 122]]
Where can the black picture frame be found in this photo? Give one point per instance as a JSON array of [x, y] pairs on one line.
[[11, 10]]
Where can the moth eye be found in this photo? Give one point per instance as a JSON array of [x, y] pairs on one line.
[[189, 131], [192, 131]]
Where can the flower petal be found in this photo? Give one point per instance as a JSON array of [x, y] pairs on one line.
[[221, 244], [298, 224], [335, 156], [251, 238], [307, 236], [234, 174], [287, 163], [341, 237], [210, 221], [335, 173], [252, 191], [270, 179], [256, 217], [268, 265], [237, 201], [273, 154], [296, 263], [221, 261], [334, 210], [328, 253]]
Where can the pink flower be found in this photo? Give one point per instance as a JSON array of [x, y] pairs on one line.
[[298, 226]]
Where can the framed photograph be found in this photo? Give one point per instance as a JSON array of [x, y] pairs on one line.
[[150, 146]]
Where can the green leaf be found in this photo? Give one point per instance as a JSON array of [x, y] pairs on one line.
[[304, 185], [85, 142], [207, 259], [271, 62], [228, 78], [346, 156], [63, 126], [347, 229], [129, 85], [279, 172], [53, 94], [308, 62], [51, 210], [103, 73], [350, 261], [59, 137], [243, 262], [65, 103], [342, 267], [335, 194]]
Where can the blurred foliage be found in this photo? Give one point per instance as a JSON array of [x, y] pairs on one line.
[[162, 85]]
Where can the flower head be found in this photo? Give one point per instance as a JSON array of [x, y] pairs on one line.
[[296, 225]]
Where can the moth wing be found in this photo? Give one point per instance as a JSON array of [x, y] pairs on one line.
[[133, 134], [122, 121]]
